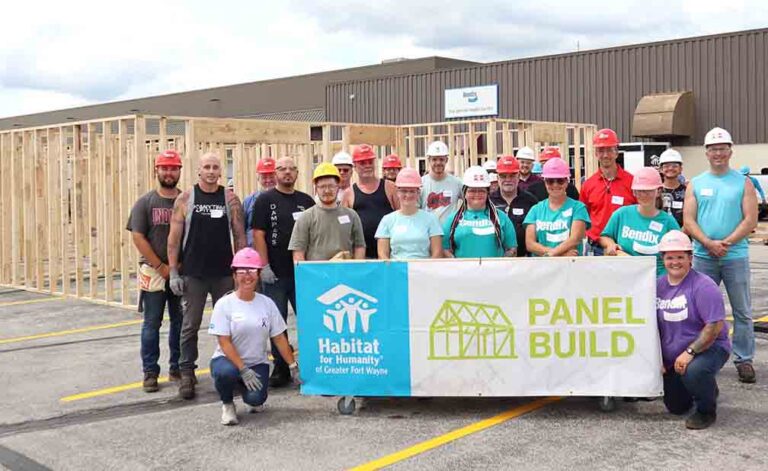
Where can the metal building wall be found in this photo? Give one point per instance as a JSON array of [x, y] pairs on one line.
[[726, 72]]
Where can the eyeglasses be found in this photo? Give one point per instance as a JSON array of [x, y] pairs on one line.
[[718, 150], [247, 271], [344, 169], [286, 169], [477, 190], [508, 176], [409, 192], [328, 188], [555, 181]]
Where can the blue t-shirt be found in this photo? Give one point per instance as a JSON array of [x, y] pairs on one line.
[[639, 235], [718, 200], [248, 210], [409, 236], [553, 227], [475, 235]]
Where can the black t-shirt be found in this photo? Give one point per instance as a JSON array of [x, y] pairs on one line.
[[672, 202], [275, 213], [539, 190], [207, 251], [517, 211], [151, 216]]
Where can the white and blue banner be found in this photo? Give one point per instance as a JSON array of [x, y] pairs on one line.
[[582, 326]]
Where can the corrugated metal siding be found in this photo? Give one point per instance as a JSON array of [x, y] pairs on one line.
[[727, 74]]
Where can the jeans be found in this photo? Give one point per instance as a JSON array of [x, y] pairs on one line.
[[595, 249], [281, 292], [696, 384], [226, 378], [195, 294], [153, 306], [735, 275]]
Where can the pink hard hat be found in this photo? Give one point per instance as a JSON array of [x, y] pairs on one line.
[[647, 178], [408, 178], [247, 258], [675, 241], [556, 168]]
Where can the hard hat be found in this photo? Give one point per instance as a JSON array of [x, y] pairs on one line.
[[342, 158], [247, 258], [325, 169], [670, 156], [392, 161], [525, 153], [266, 165], [745, 170], [549, 152], [363, 152], [556, 168], [605, 138], [537, 168], [476, 177], [492, 177], [489, 165], [507, 164], [169, 158], [674, 241], [647, 178], [437, 149], [408, 178], [717, 136]]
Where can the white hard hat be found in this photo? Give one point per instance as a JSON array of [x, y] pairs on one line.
[[437, 148], [489, 165], [342, 158], [492, 177], [717, 136], [525, 153], [670, 156], [476, 177]]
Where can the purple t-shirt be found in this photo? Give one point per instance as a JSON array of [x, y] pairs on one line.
[[683, 311]]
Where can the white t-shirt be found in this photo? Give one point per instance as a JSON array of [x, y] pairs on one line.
[[440, 197], [250, 324]]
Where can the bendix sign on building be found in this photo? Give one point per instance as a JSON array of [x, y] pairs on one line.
[[472, 101]]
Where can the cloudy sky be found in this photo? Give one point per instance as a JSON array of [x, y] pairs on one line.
[[62, 54]]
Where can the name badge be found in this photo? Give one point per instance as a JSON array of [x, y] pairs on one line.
[[297, 215], [707, 192], [448, 193], [238, 317], [619, 200], [217, 213], [568, 213], [677, 205], [343, 219], [655, 226], [400, 229], [517, 211]]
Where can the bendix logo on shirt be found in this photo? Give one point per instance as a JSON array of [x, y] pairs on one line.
[[673, 310]]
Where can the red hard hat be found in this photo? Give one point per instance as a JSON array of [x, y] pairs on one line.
[[507, 164], [392, 161], [605, 138], [363, 152], [549, 152], [266, 165], [169, 158]]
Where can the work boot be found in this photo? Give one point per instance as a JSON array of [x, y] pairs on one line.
[[174, 376], [746, 372], [150, 382], [254, 409], [699, 421], [228, 413], [187, 385]]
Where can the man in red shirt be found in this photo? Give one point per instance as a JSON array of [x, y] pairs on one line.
[[608, 189]]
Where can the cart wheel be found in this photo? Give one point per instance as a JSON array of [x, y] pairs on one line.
[[607, 404], [346, 405]]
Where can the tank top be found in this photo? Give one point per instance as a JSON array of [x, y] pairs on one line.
[[718, 200], [371, 208], [207, 250]]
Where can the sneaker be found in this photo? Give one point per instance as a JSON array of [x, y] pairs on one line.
[[150, 382], [254, 409], [699, 421], [187, 386], [746, 372], [174, 376], [228, 414]]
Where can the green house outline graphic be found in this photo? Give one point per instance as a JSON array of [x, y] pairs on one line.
[[470, 331]]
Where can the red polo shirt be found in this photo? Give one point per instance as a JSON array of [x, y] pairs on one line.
[[603, 197]]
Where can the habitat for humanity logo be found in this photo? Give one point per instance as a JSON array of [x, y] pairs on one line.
[[470, 96], [345, 306]]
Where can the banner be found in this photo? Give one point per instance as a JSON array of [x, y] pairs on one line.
[[582, 326], [466, 102]]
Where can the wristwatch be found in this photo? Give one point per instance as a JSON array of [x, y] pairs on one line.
[[690, 351]]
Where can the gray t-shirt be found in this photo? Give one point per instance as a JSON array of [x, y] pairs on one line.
[[151, 216], [323, 232], [440, 196]]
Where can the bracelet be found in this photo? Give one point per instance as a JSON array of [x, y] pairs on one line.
[[293, 365]]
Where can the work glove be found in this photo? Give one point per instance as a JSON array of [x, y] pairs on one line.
[[267, 275], [176, 282], [251, 379], [295, 377]]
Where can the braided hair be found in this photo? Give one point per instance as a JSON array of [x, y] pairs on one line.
[[492, 214]]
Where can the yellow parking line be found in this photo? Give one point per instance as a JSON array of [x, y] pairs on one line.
[[70, 331], [454, 435], [121, 388], [30, 301]]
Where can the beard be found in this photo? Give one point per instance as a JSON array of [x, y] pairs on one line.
[[166, 183]]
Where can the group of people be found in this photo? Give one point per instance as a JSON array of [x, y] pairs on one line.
[[203, 241]]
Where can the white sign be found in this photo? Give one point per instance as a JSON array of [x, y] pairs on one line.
[[472, 101]]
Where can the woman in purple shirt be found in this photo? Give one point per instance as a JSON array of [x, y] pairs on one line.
[[693, 331]]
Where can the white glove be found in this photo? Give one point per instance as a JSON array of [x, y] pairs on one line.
[[295, 377], [251, 379], [267, 275], [176, 282]]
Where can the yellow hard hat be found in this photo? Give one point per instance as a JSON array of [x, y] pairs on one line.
[[326, 169]]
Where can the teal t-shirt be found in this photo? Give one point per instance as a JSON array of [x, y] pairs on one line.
[[475, 236], [718, 203], [640, 235], [554, 227], [409, 235]]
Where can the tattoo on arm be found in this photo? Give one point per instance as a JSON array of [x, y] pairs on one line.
[[238, 220], [178, 219], [707, 336]]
